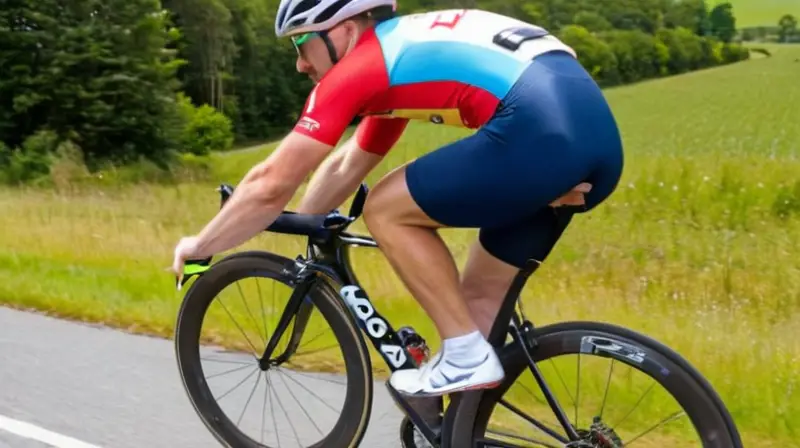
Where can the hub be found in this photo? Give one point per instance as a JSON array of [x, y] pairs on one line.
[[599, 435], [264, 364]]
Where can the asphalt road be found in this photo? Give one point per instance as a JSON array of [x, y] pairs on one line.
[[80, 386]]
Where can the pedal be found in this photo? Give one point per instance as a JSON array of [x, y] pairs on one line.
[[424, 412]]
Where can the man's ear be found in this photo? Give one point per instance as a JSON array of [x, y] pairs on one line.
[[354, 28], [353, 33]]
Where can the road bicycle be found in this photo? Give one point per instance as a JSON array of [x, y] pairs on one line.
[[323, 279]]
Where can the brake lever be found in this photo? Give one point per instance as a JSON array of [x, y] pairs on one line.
[[192, 268]]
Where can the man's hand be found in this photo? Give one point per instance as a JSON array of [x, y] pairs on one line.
[[258, 199], [185, 250]]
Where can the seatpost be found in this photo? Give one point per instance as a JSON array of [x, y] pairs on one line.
[[497, 335]]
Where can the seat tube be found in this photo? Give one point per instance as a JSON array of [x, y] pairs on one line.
[[497, 335], [499, 330]]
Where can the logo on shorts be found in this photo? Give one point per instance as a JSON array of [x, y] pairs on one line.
[[437, 119], [308, 123]]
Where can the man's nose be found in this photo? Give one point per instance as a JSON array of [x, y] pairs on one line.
[[302, 65]]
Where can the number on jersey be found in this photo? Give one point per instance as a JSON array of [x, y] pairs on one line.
[[512, 38]]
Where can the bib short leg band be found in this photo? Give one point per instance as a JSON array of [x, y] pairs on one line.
[[553, 131]]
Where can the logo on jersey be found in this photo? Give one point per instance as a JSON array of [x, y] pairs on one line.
[[308, 123], [443, 20]]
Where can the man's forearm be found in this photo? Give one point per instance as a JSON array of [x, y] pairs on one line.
[[337, 178], [262, 195], [329, 186], [247, 213]]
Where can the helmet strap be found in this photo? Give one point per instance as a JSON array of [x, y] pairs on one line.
[[329, 44]]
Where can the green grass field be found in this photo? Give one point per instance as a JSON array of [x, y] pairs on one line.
[[760, 12], [698, 248]]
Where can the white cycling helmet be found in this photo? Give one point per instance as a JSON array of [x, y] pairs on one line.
[[305, 16]]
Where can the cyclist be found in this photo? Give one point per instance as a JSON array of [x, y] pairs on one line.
[[545, 137]]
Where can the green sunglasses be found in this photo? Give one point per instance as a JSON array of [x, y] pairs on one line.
[[301, 39]]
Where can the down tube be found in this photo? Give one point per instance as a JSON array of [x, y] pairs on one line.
[[383, 337]]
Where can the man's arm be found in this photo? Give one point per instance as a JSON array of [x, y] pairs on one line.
[[337, 178], [262, 194], [269, 186], [340, 175]]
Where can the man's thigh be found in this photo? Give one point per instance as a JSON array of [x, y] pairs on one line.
[[530, 239], [477, 182]]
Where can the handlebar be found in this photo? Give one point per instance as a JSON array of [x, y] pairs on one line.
[[297, 224], [311, 225], [315, 226]]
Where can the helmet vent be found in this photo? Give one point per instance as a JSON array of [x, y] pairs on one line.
[[296, 22], [282, 13], [328, 12], [304, 6]]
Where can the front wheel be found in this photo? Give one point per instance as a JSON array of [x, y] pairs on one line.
[[303, 376], [587, 366]]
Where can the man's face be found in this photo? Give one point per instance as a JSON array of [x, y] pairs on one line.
[[313, 58]]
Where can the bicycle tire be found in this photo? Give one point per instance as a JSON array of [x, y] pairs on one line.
[[352, 423], [688, 387]]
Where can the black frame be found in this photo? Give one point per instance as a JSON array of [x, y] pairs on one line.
[[328, 254]]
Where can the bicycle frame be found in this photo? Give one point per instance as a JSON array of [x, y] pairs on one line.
[[327, 253]]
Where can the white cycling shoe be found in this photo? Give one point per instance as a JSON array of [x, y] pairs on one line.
[[441, 376]]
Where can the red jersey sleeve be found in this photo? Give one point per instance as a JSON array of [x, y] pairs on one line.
[[344, 91], [378, 135]]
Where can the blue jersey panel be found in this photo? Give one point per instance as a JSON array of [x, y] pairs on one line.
[[409, 61]]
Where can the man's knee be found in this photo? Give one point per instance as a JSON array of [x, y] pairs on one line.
[[390, 203], [372, 212], [377, 207]]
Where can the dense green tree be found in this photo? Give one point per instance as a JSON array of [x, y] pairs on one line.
[[94, 72], [639, 55], [237, 65], [633, 14], [690, 14], [592, 21], [122, 79], [722, 22], [532, 12], [207, 43], [788, 28], [593, 53]]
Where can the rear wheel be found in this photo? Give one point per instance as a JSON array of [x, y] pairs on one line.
[[685, 413], [308, 383]]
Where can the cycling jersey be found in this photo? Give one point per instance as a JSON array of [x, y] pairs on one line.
[[448, 67]]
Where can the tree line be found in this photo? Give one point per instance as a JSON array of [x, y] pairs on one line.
[[785, 32], [117, 81]]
